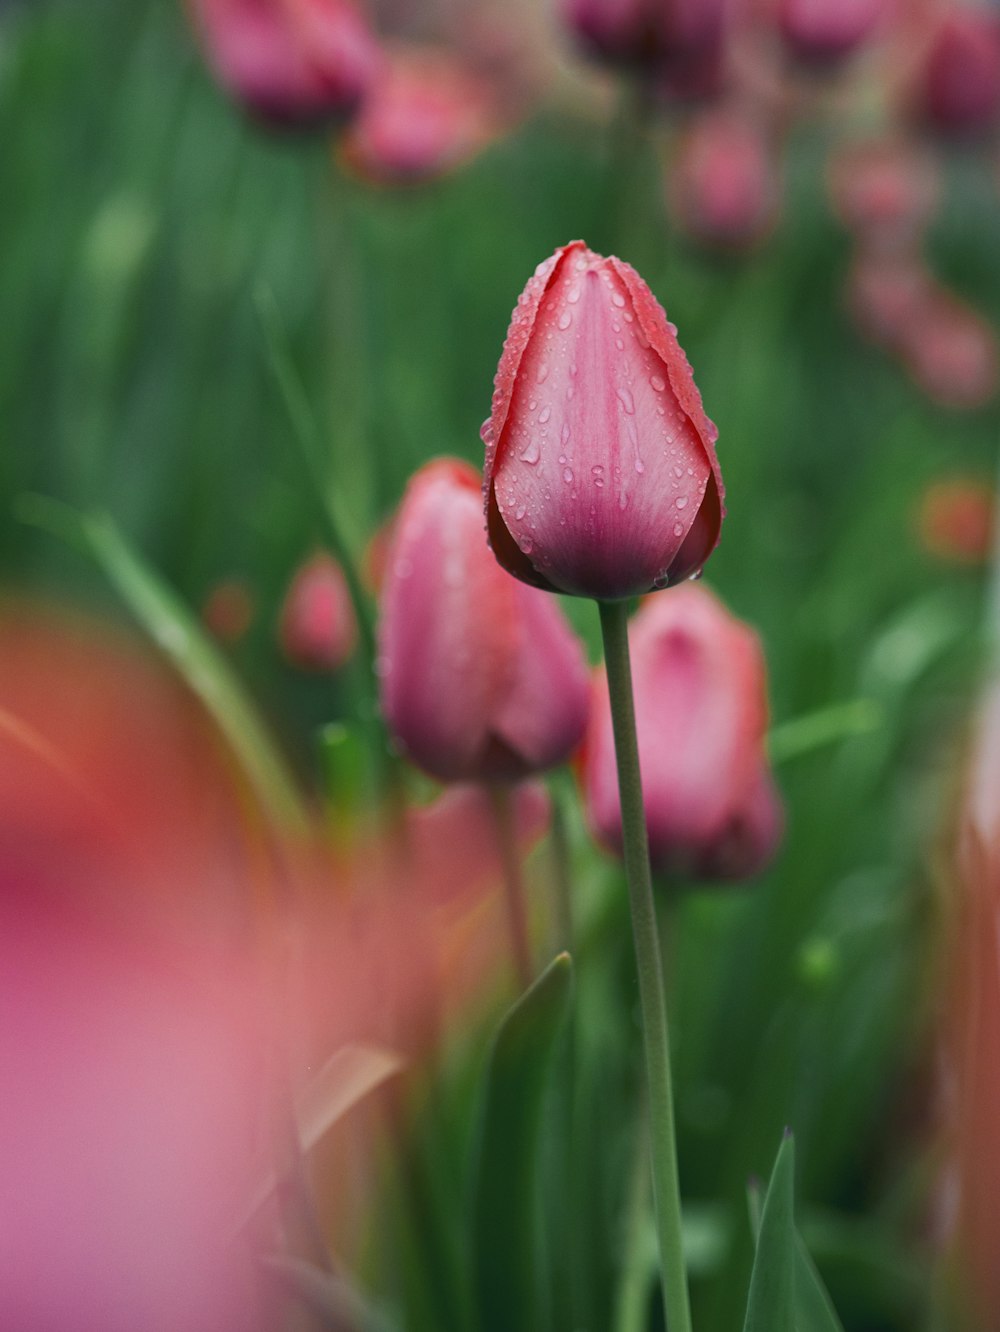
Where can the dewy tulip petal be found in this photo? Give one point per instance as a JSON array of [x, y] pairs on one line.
[[601, 476], [481, 678]]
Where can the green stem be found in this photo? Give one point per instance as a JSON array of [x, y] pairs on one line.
[[513, 884], [663, 1148]]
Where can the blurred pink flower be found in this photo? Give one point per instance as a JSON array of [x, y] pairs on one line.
[[821, 32], [601, 478], [959, 84], [951, 351], [701, 714], [886, 292], [426, 115], [318, 630], [722, 185], [882, 190], [956, 520], [481, 677], [655, 33], [289, 61]]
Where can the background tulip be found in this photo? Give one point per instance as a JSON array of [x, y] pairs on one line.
[[960, 82], [318, 630], [601, 477], [821, 31], [722, 185], [289, 61], [481, 677], [426, 115], [701, 713], [956, 520]]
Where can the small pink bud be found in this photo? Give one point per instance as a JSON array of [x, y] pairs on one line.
[[885, 294], [960, 82], [951, 352], [318, 630], [601, 478], [426, 115], [289, 62], [701, 714], [956, 520], [722, 185], [883, 190], [481, 677], [822, 32]]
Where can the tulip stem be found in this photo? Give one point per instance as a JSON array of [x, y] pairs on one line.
[[513, 884], [663, 1146]]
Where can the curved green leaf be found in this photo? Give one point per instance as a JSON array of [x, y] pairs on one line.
[[771, 1306], [504, 1203]]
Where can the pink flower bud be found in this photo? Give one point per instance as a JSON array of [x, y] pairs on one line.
[[481, 677], [647, 32], [701, 714], [821, 32], [601, 478], [318, 630], [883, 190], [722, 186], [951, 352], [425, 115], [289, 61], [960, 84], [885, 294]]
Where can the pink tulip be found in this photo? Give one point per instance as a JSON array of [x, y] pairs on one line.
[[885, 294], [426, 115], [289, 61], [318, 630], [952, 352], [646, 32], [883, 190], [960, 83], [701, 714], [481, 677], [601, 478], [722, 185], [821, 32]]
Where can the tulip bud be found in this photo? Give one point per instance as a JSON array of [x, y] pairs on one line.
[[951, 352], [425, 115], [601, 478], [885, 294], [722, 185], [701, 714], [960, 83], [318, 630], [882, 190], [481, 677], [646, 32], [956, 520], [289, 62], [822, 32]]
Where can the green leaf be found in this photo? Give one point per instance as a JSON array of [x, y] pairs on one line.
[[176, 631], [504, 1202], [783, 1261], [772, 1306], [826, 726]]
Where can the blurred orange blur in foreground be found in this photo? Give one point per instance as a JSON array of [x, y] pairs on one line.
[[143, 1005]]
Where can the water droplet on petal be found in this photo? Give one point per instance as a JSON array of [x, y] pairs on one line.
[[565, 319], [530, 453], [527, 545], [567, 475], [680, 502], [519, 514], [640, 466], [619, 344], [565, 434], [696, 575], [573, 295], [678, 529], [544, 415], [619, 300], [543, 372], [627, 401], [658, 383], [532, 404]]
